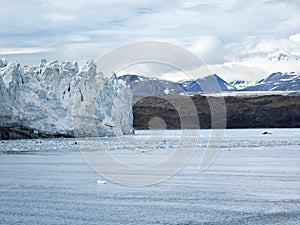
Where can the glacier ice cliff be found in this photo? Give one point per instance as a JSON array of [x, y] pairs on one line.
[[56, 99]]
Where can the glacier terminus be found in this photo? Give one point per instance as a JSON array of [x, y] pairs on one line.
[[56, 99]]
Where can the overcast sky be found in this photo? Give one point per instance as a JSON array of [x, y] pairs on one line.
[[234, 38]]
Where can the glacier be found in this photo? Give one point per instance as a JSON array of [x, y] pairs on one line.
[[56, 99]]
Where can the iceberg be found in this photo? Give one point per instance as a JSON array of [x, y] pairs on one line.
[[56, 99], [101, 181]]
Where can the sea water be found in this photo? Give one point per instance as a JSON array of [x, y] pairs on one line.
[[255, 179]]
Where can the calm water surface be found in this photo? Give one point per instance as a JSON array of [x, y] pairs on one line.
[[255, 179]]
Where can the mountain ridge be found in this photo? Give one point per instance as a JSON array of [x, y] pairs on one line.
[[143, 85]]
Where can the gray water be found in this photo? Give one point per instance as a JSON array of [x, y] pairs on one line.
[[255, 179]]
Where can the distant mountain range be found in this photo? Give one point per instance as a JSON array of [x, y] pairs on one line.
[[275, 82], [147, 86]]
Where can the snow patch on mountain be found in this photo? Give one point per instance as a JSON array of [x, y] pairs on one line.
[[142, 85], [282, 57], [277, 82]]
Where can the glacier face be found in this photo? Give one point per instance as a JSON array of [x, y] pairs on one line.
[[60, 99]]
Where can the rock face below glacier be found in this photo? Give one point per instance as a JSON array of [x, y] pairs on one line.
[[60, 100]]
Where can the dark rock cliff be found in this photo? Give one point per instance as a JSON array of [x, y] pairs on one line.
[[271, 111]]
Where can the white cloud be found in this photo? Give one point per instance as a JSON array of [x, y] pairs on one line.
[[209, 49], [260, 47], [253, 69], [77, 38], [250, 59], [60, 18], [295, 37], [236, 71], [190, 74], [16, 51], [215, 30]]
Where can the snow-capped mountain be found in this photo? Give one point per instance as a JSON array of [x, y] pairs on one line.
[[142, 85], [241, 84], [282, 57], [279, 57], [277, 82], [212, 83]]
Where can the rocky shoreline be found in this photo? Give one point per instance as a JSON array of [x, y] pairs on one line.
[[21, 132]]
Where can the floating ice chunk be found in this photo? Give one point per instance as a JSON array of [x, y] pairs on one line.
[[101, 181]]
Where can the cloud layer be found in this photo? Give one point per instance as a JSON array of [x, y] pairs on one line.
[[234, 37]]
